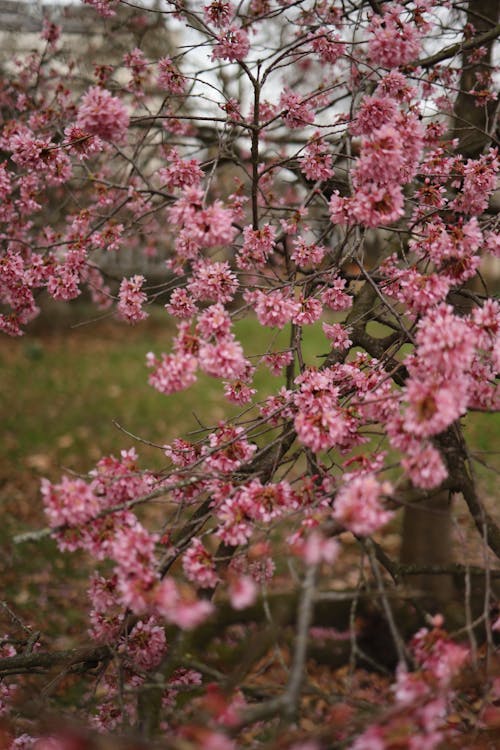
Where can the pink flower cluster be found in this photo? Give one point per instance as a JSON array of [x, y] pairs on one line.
[[232, 45], [102, 114], [358, 505], [131, 299]]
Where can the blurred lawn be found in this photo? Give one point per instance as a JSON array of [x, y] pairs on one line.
[[63, 388]]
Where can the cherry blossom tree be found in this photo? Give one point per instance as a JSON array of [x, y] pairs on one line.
[[300, 164]]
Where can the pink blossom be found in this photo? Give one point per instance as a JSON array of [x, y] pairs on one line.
[[105, 8], [374, 111], [334, 296], [276, 361], [273, 308], [181, 304], [238, 392], [223, 359], [169, 78], [328, 45], [229, 449], [242, 592], [358, 507], [377, 205], [198, 565], [315, 549], [320, 426], [145, 645], [233, 44], [304, 254], [432, 407], [81, 143], [338, 335], [425, 467], [309, 312], [132, 299], [181, 610], [181, 172], [69, 502], [258, 244], [394, 42], [297, 112], [214, 321], [213, 282], [103, 115], [219, 13], [316, 164], [173, 372]]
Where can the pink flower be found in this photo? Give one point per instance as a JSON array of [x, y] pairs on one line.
[[394, 42], [131, 299], [304, 254], [377, 205], [219, 12], [276, 361], [233, 44], [258, 244], [358, 507], [105, 8], [145, 645], [308, 311], [316, 164], [169, 78], [338, 335], [72, 501], [186, 613], [328, 46], [103, 115], [181, 305], [374, 112], [242, 592], [174, 372], [273, 308], [425, 467], [297, 112], [223, 359], [198, 565], [433, 407], [213, 282]]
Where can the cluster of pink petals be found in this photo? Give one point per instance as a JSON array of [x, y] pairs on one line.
[[232, 45], [228, 449], [394, 41], [169, 78], [307, 254], [358, 505], [198, 565], [374, 111], [173, 372], [102, 114], [181, 172], [145, 645], [71, 502], [327, 45], [212, 282], [316, 164], [131, 299], [105, 8], [219, 13], [258, 244], [319, 421], [276, 361], [297, 111], [274, 308], [200, 226]]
